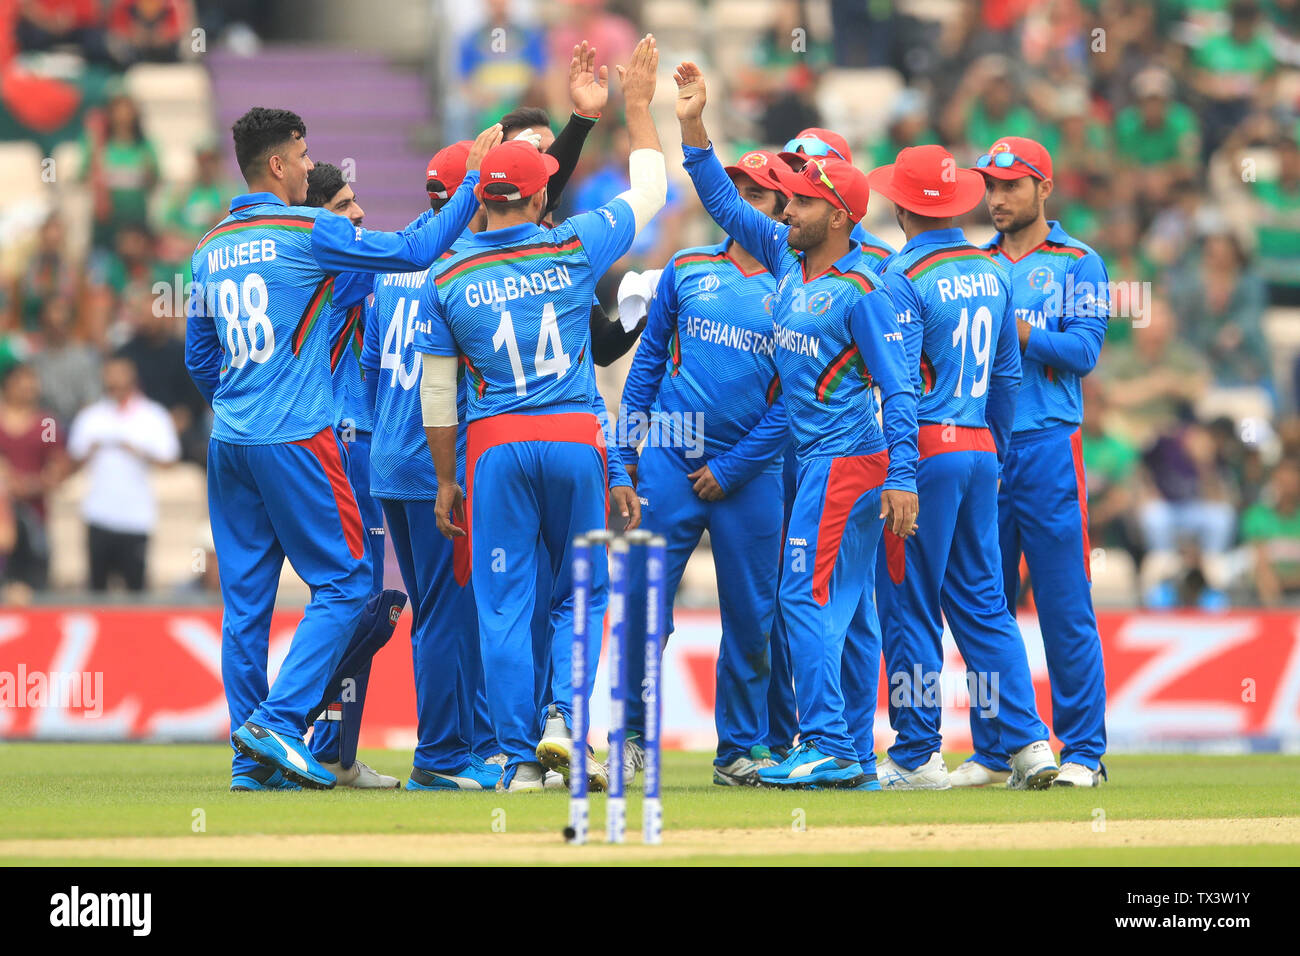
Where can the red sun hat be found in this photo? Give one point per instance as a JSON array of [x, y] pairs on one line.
[[828, 136], [755, 164], [847, 190], [446, 171], [926, 180], [1026, 150], [519, 164]]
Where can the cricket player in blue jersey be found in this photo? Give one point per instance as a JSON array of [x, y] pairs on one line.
[[954, 308], [703, 384], [515, 307], [782, 720], [452, 748], [335, 736], [1060, 292], [834, 332], [257, 347]]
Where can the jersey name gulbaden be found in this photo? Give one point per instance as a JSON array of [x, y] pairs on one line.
[[515, 303]]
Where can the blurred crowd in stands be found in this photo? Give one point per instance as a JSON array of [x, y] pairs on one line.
[[1174, 127]]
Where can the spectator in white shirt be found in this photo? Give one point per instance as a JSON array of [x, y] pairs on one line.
[[120, 438]]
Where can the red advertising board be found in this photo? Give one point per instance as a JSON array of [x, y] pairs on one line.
[[1172, 679]]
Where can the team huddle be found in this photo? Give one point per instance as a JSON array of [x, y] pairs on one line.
[[871, 438]]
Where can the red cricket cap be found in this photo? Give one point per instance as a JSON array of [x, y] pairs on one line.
[[834, 140], [519, 164], [446, 171], [755, 164], [1026, 151], [927, 181], [849, 182]]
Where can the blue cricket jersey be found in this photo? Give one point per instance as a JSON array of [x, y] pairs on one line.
[[257, 340], [1060, 288], [705, 371], [954, 307], [515, 304], [401, 466], [834, 335]]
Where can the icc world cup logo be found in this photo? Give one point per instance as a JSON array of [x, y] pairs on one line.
[[709, 283]]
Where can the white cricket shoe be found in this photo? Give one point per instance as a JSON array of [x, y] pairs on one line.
[[974, 774], [361, 777], [555, 750], [528, 776], [931, 775], [633, 758], [553, 781], [1077, 775], [1033, 767], [499, 760]]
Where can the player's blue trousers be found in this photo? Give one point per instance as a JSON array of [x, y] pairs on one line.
[[444, 635], [535, 482], [1043, 512], [325, 733], [952, 563], [266, 503], [745, 534], [826, 599], [782, 719]]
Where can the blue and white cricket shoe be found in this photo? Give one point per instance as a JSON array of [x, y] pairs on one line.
[[289, 754], [807, 766], [261, 778], [476, 775]]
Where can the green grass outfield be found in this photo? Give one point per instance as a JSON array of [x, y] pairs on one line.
[[102, 798]]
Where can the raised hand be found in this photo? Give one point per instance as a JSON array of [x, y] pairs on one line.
[[588, 91], [640, 75], [485, 141], [691, 95]]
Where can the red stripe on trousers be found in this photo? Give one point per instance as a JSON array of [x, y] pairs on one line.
[[895, 556], [324, 445], [1081, 484], [935, 439], [849, 479], [582, 428]]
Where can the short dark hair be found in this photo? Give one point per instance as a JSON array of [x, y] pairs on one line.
[[506, 205], [323, 184], [261, 131], [524, 117]]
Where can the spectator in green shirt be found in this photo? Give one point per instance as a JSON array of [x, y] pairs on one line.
[[1220, 301], [194, 210], [985, 107], [1277, 226], [1157, 138], [1110, 464], [1234, 70], [908, 125], [122, 167], [1272, 530]]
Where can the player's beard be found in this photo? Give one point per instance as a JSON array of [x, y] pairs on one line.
[[809, 235], [1022, 221]]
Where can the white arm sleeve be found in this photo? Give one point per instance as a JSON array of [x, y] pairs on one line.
[[438, 390], [649, 180]]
